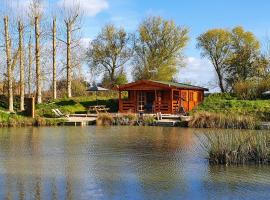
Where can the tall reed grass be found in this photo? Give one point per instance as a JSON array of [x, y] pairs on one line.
[[237, 148], [204, 119]]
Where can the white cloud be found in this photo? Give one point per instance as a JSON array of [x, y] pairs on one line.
[[85, 42], [89, 7], [21, 7], [197, 71]]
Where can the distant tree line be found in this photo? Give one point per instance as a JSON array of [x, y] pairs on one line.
[[240, 65], [42, 54], [40, 51]]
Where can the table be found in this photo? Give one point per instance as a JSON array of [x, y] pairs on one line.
[[98, 109]]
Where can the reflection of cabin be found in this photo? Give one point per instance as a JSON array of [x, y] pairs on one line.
[[159, 96]]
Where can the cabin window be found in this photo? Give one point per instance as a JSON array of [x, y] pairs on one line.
[[175, 95]]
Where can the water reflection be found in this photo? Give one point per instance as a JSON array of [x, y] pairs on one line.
[[118, 163]]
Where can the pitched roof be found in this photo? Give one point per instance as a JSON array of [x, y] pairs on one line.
[[165, 84], [181, 85]]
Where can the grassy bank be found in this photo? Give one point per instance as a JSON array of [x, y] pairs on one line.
[[18, 120], [76, 105], [227, 104], [225, 111], [237, 148]]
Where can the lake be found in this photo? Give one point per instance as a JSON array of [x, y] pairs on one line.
[[119, 163]]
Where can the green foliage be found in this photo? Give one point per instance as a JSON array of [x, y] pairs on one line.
[[158, 49], [251, 89], [235, 55], [78, 104], [109, 52], [245, 61], [229, 105], [79, 86], [215, 45], [237, 148], [120, 78]]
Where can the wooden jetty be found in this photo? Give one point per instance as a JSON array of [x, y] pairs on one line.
[[80, 121]]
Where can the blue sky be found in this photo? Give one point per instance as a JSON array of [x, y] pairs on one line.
[[197, 15]]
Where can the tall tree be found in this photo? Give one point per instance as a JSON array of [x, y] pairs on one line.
[[109, 52], [37, 56], [54, 58], [30, 60], [216, 46], [158, 49], [72, 17], [11, 62], [21, 59], [246, 60], [9, 67]]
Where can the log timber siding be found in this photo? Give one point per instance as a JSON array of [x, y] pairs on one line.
[[158, 96]]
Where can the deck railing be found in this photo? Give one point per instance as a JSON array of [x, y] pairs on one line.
[[127, 106], [163, 107]]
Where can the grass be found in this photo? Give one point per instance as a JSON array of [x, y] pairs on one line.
[[16, 120], [237, 148], [229, 105], [76, 105], [203, 119]]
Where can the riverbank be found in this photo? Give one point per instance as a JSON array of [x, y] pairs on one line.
[[217, 111]]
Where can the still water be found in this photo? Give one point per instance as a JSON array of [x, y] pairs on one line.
[[119, 163]]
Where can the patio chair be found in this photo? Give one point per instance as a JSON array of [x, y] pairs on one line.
[[58, 113]]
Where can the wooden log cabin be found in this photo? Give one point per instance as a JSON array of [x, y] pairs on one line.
[[150, 96]]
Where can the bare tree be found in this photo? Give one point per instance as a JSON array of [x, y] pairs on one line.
[[37, 55], [30, 60], [72, 20], [54, 58], [21, 58], [11, 62]]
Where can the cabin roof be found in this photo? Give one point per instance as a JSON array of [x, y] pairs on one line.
[[165, 84], [182, 85]]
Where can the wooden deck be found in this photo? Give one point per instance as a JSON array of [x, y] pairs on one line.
[[80, 121]]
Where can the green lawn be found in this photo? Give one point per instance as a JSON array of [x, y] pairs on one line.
[[76, 105], [227, 104]]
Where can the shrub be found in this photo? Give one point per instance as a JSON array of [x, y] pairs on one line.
[[125, 119], [105, 119], [251, 89], [149, 120]]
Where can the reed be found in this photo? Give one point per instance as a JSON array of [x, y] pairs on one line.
[[105, 119], [237, 148], [202, 119]]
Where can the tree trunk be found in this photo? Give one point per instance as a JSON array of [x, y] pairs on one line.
[[9, 67], [54, 59], [68, 42], [37, 54], [21, 54], [29, 66], [220, 81]]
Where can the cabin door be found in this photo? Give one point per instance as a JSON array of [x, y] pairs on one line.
[[141, 99]]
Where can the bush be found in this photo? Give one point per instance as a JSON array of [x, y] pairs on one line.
[[125, 119], [251, 89], [105, 119]]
